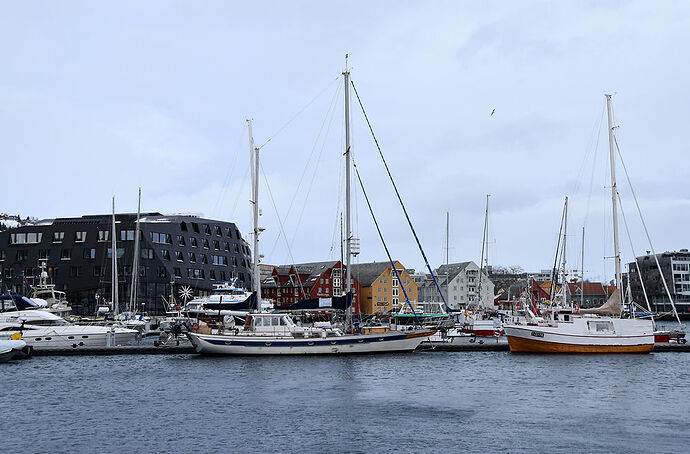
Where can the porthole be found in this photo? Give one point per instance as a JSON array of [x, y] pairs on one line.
[[360, 340], [85, 337], [49, 338], [310, 343], [70, 337], [37, 339], [332, 342], [268, 344]]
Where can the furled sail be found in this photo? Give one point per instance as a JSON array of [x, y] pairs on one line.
[[612, 306]]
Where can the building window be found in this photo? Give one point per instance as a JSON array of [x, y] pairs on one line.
[[192, 257], [160, 238], [183, 226], [21, 255], [165, 254], [212, 275], [97, 271], [195, 227], [179, 256], [147, 253], [66, 254], [74, 271], [58, 237], [204, 259], [79, 237], [3, 255], [207, 229], [204, 242], [216, 245], [192, 242], [229, 234], [120, 252], [103, 235], [162, 272], [226, 246], [127, 235], [178, 272], [222, 275], [218, 231], [180, 240], [89, 253]]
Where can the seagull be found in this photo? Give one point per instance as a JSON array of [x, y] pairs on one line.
[[492, 112]]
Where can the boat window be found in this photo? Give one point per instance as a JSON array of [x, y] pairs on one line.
[[257, 321], [275, 321], [600, 326], [282, 321]]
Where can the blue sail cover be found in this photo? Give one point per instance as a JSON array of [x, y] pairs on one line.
[[340, 303], [246, 305]]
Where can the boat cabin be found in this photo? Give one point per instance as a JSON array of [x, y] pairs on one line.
[[269, 323]]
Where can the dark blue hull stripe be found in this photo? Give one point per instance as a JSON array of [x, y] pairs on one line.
[[303, 342]]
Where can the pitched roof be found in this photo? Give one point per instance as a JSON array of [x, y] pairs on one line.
[[451, 270], [366, 273]]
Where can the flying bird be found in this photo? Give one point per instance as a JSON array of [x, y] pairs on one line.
[[492, 112]]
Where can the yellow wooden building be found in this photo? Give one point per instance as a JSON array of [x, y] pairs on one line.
[[381, 290]]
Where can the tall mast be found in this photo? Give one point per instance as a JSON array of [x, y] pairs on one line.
[[485, 248], [135, 264], [348, 221], [564, 285], [447, 236], [254, 163], [614, 192], [582, 271], [113, 246]]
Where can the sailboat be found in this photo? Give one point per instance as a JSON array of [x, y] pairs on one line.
[[600, 330], [131, 318], [277, 334]]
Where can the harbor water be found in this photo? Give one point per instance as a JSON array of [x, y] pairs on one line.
[[419, 402]]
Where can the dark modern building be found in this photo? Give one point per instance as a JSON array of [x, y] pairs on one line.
[[175, 250], [676, 272]]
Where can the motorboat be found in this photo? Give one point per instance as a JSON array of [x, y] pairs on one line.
[[226, 299], [45, 295], [13, 349], [42, 330]]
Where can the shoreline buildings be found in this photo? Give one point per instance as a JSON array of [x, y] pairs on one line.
[[176, 250]]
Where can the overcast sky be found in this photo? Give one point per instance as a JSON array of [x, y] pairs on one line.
[[99, 98]]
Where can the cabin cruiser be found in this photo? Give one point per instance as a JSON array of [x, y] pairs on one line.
[[44, 330], [225, 299], [45, 295]]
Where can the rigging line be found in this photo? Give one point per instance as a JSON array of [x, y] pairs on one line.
[[390, 259], [306, 167], [552, 289], [316, 167], [409, 222], [239, 193], [228, 174], [282, 230], [282, 128], [594, 161], [632, 249], [649, 239]]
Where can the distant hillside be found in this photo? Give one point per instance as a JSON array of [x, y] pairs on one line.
[[8, 221]]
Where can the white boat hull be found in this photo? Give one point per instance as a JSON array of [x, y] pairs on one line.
[[77, 337], [628, 336], [212, 344]]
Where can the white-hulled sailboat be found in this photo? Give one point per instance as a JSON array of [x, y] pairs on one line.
[[600, 330], [277, 334]]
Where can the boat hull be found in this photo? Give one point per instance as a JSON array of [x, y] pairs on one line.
[[537, 339], [210, 344]]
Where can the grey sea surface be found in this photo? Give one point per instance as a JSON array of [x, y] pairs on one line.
[[418, 402]]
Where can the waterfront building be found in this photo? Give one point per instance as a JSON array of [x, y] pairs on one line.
[[459, 283], [288, 284], [381, 289], [676, 271], [178, 250]]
